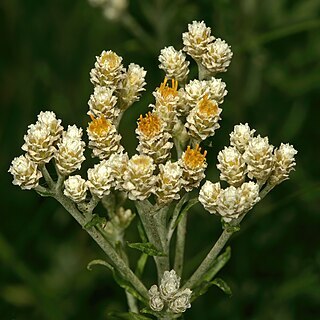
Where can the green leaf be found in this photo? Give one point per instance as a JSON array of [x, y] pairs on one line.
[[218, 264], [222, 285], [147, 248], [186, 208], [205, 285], [127, 316], [141, 264], [95, 221], [99, 262]]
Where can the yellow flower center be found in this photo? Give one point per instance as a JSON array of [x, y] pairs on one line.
[[166, 91], [111, 58], [99, 125], [150, 125], [207, 107], [193, 158]]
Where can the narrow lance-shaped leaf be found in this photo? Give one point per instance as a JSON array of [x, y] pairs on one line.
[[147, 248], [205, 285], [99, 262]]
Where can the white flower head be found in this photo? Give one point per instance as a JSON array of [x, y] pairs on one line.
[[153, 140], [25, 172], [284, 163], [240, 136], [169, 182], [181, 301], [231, 166], [100, 179], [108, 70], [139, 180], [193, 164], [170, 284], [217, 57], [49, 119], [118, 163], [39, 143], [155, 301], [229, 204], [104, 139], [197, 39], [69, 155], [249, 194], [208, 195], [75, 188], [259, 158], [103, 103], [132, 85], [202, 121], [174, 63], [217, 89], [195, 90]]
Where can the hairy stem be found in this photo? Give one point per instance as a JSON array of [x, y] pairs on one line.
[[207, 262], [180, 245], [218, 246], [150, 224], [117, 261]]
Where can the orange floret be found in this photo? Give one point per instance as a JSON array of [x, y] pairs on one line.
[[150, 125], [207, 107], [193, 158], [166, 91], [99, 125]]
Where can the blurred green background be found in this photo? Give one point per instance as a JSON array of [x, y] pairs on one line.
[[47, 51]]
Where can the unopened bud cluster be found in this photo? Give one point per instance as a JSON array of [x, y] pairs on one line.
[[168, 295], [248, 158]]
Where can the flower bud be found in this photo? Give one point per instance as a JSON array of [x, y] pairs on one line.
[[100, 179], [155, 301], [217, 57], [174, 63], [169, 285], [259, 158], [284, 163], [139, 180], [240, 136], [25, 172], [181, 301], [197, 39], [208, 195], [231, 166], [75, 188]]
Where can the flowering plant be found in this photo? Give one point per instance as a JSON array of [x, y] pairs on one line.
[[168, 168]]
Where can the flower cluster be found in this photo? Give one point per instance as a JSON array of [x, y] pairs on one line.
[[168, 294], [41, 144], [251, 158], [214, 54], [169, 162]]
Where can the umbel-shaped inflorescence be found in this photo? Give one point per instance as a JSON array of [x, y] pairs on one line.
[[169, 162]]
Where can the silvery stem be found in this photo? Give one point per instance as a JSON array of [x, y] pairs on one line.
[[218, 246]]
